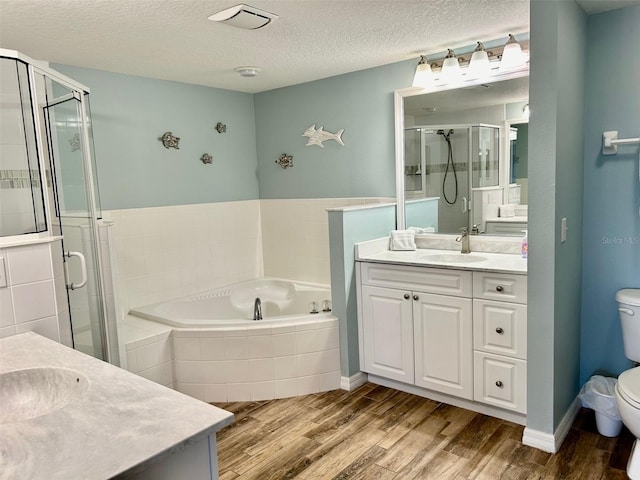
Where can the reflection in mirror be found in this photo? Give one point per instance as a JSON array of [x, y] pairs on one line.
[[464, 157]]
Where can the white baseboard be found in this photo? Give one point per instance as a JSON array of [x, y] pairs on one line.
[[552, 442], [353, 382]]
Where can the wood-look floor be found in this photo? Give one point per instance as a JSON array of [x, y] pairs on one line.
[[379, 433]]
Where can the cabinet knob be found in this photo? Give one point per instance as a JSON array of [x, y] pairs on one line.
[[499, 288], [416, 297], [499, 330], [499, 384], [407, 296]]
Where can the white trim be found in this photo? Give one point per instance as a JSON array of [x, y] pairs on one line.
[[552, 442], [353, 382]]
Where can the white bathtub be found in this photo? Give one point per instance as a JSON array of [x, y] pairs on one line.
[[220, 354], [232, 306]]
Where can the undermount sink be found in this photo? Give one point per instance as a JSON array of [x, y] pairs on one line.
[[454, 258], [34, 392]]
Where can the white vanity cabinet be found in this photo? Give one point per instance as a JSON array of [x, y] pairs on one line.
[[450, 331], [416, 326], [500, 340]]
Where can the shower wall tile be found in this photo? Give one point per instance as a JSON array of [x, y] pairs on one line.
[[30, 276]]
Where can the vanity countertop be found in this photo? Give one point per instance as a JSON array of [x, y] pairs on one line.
[[477, 261], [116, 424]]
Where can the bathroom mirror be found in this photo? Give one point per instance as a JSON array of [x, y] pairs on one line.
[[461, 156]]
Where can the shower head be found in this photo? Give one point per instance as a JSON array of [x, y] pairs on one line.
[[445, 134]]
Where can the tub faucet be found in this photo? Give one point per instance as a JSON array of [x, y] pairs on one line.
[[464, 240], [257, 309]]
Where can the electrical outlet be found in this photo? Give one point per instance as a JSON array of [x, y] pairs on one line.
[[3, 273], [563, 231]]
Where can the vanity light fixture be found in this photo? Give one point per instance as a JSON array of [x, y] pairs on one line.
[[424, 75], [476, 64], [450, 72], [512, 55], [479, 63]]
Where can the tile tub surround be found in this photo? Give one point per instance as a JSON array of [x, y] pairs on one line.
[[122, 424], [242, 364], [239, 364], [169, 252]]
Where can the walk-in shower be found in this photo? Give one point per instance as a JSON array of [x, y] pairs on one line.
[[449, 162], [48, 187]]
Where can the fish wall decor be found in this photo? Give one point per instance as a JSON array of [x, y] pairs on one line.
[[319, 135]]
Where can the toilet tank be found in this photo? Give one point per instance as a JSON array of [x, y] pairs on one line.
[[629, 309]]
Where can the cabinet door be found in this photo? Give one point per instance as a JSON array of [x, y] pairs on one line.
[[443, 344], [387, 328]]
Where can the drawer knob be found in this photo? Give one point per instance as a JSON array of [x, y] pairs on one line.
[[499, 330], [499, 288], [407, 296], [499, 384], [416, 297]]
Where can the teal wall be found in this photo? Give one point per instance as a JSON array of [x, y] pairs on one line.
[[556, 131], [611, 198], [362, 104], [346, 228], [135, 170]]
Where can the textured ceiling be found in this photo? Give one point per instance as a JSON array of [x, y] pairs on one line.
[[311, 39]]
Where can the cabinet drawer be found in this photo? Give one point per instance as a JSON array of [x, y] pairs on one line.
[[503, 287], [426, 279], [500, 381], [500, 327]]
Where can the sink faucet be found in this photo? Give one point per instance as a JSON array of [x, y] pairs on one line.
[[464, 240], [257, 309]]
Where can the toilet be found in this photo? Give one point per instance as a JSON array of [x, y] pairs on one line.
[[628, 386]]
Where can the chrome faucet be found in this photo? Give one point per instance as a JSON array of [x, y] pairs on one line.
[[464, 240], [257, 309]]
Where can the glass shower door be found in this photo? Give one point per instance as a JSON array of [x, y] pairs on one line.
[[69, 151]]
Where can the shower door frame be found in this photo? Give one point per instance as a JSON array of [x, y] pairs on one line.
[[109, 352]]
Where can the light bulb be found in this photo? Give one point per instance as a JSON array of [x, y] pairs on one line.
[[479, 63], [450, 72], [424, 76], [512, 55]]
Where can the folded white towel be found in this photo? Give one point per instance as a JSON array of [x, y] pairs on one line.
[[418, 230], [402, 240], [508, 210]]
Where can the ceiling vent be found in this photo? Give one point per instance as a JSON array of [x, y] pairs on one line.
[[244, 16]]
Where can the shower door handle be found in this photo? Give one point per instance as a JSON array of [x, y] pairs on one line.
[[83, 270], [465, 205]]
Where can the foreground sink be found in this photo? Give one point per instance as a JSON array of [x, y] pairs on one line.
[[33, 392], [454, 258]]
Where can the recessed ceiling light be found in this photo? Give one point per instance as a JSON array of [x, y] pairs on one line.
[[248, 71], [244, 16]]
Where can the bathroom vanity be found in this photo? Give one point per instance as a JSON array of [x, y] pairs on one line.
[[447, 326], [64, 414]]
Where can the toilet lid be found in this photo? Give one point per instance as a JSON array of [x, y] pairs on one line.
[[629, 296], [629, 386]]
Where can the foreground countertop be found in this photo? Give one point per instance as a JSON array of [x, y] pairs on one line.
[[487, 262], [121, 423]]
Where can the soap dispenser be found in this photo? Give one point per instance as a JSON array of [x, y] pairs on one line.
[[524, 246]]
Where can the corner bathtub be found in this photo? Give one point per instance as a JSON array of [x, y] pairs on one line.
[[220, 354]]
